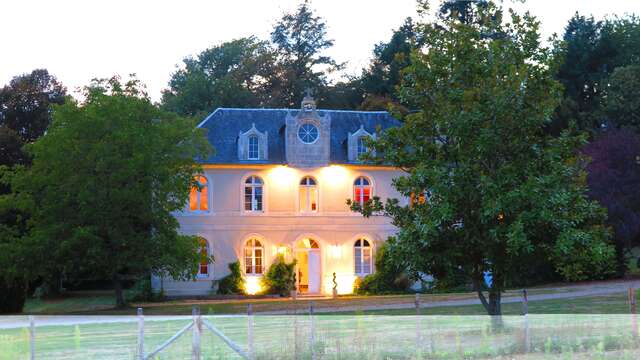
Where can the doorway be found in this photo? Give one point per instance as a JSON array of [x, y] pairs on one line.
[[307, 254]]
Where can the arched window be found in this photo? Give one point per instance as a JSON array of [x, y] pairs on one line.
[[253, 194], [199, 195], [253, 151], [203, 268], [362, 190], [362, 257], [361, 147], [308, 195], [253, 251]]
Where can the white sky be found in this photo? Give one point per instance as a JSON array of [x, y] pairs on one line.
[[77, 40]]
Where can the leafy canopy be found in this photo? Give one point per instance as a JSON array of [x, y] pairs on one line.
[[503, 192], [104, 184]]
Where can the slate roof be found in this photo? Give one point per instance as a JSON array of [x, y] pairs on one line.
[[224, 125]]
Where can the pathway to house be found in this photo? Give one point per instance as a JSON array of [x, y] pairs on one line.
[[544, 293]]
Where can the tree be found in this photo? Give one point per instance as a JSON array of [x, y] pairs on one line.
[[614, 181], [104, 183], [381, 79], [464, 11], [233, 74], [25, 103], [503, 192], [300, 38], [25, 114], [622, 100]]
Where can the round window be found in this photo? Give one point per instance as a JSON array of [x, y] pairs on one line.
[[308, 133]]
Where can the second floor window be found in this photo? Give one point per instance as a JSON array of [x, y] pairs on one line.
[[254, 148], [308, 195], [199, 195], [362, 190], [253, 194]]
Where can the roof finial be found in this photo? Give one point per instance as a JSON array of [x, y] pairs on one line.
[[308, 103]]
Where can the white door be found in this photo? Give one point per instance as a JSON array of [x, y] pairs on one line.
[[314, 271]]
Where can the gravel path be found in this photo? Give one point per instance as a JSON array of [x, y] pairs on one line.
[[564, 292]]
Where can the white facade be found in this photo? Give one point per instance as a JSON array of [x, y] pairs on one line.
[[295, 205]]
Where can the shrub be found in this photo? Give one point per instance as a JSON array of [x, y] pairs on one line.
[[232, 283], [280, 278], [12, 297], [388, 278], [141, 290]]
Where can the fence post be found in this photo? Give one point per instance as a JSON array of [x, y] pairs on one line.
[[140, 334], [633, 310], [250, 330], [197, 330], [32, 337], [313, 332], [417, 303]]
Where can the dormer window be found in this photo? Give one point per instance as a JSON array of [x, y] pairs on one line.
[[361, 147], [252, 145], [254, 148]]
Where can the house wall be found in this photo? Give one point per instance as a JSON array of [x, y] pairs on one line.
[[226, 226]]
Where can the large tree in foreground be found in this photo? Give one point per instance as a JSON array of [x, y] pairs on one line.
[[504, 194], [103, 185]]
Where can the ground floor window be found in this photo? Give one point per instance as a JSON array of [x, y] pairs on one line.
[[362, 257], [203, 268], [253, 256]]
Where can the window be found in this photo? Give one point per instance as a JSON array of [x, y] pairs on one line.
[[308, 133], [253, 194], [254, 148], [203, 268], [362, 257], [253, 257], [422, 198], [361, 148], [362, 190], [199, 195], [308, 195]]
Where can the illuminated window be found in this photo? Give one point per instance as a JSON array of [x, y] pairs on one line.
[[362, 190], [362, 257], [308, 195], [253, 194], [254, 148], [361, 148], [253, 251], [203, 268], [422, 198], [199, 195]]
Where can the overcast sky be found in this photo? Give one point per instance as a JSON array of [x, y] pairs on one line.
[[77, 40]]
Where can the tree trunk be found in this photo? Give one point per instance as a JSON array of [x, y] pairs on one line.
[[117, 285]]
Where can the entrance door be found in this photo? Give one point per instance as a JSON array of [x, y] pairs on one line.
[[314, 271]]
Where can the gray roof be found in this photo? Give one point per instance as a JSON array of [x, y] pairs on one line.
[[224, 125]]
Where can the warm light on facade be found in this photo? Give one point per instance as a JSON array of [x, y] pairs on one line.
[[252, 285], [282, 176], [334, 174], [282, 250], [336, 251], [345, 284]]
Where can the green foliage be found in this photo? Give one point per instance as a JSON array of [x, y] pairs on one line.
[[280, 278], [104, 184], [141, 290], [233, 74], [503, 191], [232, 283], [12, 296], [389, 277], [622, 103]]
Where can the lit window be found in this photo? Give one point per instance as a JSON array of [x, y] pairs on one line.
[[254, 148], [422, 198], [308, 195], [253, 194], [199, 195], [362, 257], [253, 257], [203, 268], [362, 147], [362, 190]]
